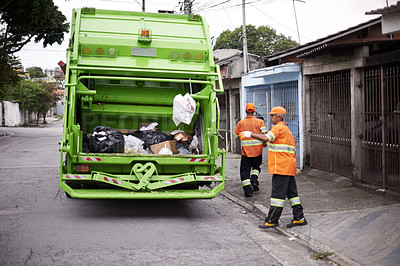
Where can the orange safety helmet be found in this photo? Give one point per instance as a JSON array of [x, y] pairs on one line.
[[278, 110], [250, 107]]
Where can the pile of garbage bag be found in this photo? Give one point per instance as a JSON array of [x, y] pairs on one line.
[[106, 140], [147, 140]]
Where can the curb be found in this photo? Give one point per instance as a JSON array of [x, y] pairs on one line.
[[313, 245], [6, 134]]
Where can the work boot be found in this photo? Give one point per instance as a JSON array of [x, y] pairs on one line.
[[248, 191], [254, 184], [294, 223], [255, 187], [267, 225]]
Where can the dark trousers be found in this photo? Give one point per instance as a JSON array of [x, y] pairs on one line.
[[284, 186], [247, 164]]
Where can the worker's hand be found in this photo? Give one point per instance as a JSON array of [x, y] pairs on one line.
[[265, 144], [245, 134]]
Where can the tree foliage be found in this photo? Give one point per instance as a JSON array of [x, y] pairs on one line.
[[28, 94], [36, 97], [20, 22], [26, 20], [8, 76], [262, 41], [36, 72]]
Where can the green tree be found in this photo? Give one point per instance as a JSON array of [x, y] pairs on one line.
[[28, 94], [8, 74], [35, 97], [262, 41], [26, 20], [21, 22], [36, 72], [48, 98]]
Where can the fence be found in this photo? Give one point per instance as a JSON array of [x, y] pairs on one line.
[[381, 126]]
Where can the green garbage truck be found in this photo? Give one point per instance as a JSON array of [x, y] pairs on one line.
[[141, 114]]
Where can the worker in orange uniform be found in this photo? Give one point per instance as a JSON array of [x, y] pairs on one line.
[[282, 167], [251, 151]]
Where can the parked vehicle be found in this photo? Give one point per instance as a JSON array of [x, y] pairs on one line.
[[126, 76]]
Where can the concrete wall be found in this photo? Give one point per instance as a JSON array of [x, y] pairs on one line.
[[391, 23], [12, 116]]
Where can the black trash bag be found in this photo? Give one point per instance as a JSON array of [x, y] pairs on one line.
[[86, 143], [150, 137], [183, 148], [106, 140]]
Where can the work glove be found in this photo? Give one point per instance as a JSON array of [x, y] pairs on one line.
[[265, 144], [245, 134]]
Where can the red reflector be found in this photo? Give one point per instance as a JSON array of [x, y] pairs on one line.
[[82, 167], [142, 33], [147, 33]]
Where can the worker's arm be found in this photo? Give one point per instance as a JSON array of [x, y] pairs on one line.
[[249, 134]]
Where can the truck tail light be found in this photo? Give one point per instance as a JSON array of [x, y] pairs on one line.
[[82, 167], [86, 50], [144, 35], [99, 51]]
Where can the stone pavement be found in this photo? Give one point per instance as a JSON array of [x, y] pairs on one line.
[[358, 226]]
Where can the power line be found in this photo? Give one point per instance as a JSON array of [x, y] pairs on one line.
[[235, 5], [292, 30], [229, 18]]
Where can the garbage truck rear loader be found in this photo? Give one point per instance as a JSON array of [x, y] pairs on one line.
[[135, 78]]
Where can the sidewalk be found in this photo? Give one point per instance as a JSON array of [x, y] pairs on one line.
[[358, 226], [49, 120]]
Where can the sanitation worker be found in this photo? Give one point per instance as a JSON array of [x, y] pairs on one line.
[[282, 167], [251, 151]]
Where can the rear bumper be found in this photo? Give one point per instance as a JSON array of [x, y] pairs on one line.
[[128, 194]]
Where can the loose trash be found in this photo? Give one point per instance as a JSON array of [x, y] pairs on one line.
[[165, 151], [194, 145], [183, 148], [183, 109], [106, 140], [151, 126], [170, 144], [176, 131], [133, 145], [182, 137]]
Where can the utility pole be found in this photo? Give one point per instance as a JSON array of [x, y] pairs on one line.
[[244, 37], [143, 5], [187, 6], [295, 16]]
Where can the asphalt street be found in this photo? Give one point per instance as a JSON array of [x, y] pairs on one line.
[[39, 225]]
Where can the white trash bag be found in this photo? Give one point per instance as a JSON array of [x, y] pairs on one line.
[[183, 109], [133, 145], [165, 151]]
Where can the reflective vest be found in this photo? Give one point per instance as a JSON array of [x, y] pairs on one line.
[[281, 153], [251, 147]]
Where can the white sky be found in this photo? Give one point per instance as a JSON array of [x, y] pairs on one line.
[[316, 19]]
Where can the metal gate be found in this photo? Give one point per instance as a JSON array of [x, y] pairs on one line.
[[330, 120], [381, 123]]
